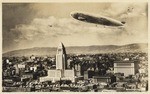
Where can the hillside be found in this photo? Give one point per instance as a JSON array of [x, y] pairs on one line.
[[40, 51]]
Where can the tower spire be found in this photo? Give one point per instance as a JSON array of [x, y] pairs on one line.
[[61, 57], [61, 49]]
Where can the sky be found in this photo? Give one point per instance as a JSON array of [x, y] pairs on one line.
[[28, 25]]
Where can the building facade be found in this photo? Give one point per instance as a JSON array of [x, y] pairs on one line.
[[126, 67], [104, 79], [61, 72]]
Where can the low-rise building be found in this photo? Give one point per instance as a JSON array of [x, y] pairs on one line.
[[107, 79], [126, 67]]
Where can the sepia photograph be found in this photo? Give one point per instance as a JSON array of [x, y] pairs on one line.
[[75, 47]]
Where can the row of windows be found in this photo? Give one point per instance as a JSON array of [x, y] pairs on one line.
[[123, 64]]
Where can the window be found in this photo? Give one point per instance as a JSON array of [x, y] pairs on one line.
[[123, 64]]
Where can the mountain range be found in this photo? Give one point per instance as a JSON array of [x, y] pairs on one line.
[[95, 49]]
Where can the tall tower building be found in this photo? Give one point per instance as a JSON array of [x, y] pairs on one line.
[[60, 60], [61, 71], [61, 57]]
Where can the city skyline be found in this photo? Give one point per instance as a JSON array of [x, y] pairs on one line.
[[109, 72], [45, 25]]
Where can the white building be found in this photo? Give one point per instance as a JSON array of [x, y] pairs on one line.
[[126, 67], [60, 73]]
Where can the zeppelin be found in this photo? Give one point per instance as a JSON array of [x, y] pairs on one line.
[[101, 20]]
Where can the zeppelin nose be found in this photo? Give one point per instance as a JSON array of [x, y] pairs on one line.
[[72, 14]]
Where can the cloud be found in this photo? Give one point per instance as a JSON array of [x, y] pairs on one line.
[[71, 32], [128, 9], [63, 29], [40, 25]]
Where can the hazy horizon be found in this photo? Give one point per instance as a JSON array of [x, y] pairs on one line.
[[73, 46]]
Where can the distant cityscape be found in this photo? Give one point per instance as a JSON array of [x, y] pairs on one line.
[[103, 72]]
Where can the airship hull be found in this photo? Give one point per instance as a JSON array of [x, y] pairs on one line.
[[96, 20]]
